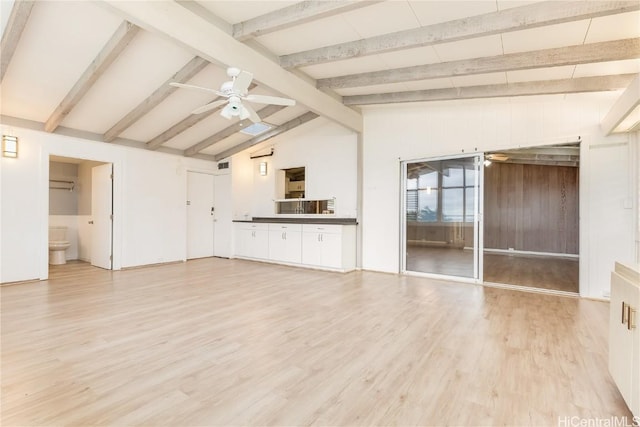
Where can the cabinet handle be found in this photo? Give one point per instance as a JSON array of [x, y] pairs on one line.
[[631, 318], [321, 238], [624, 312], [318, 237]]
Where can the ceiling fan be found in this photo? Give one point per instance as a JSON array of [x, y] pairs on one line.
[[235, 91]]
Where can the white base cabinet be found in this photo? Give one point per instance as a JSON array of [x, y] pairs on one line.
[[252, 241], [624, 334], [285, 243], [327, 247]]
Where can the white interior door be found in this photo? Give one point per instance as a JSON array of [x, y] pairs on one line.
[[222, 216], [200, 215], [101, 215]]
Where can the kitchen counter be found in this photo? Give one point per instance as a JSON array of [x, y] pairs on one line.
[[301, 220]]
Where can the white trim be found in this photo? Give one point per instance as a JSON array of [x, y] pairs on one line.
[[445, 277], [531, 289], [532, 253]]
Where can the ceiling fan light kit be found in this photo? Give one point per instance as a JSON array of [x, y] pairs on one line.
[[235, 91]]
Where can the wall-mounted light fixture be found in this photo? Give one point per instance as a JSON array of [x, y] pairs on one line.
[[263, 168], [9, 146]]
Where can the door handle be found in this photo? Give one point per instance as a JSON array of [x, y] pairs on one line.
[[631, 318], [212, 209]]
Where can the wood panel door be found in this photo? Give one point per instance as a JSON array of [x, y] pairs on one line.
[[531, 208]]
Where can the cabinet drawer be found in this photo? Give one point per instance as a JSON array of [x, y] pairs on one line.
[[253, 226], [322, 228], [285, 227]]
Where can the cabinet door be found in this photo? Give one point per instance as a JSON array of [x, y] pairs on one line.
[[311, 248], [623, 342], [243, 242], [260, 244], [331, 250], [292, 247], [277, 249]]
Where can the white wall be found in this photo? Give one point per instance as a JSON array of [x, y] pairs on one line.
[[414, 131], [326, 150], [61, 200], [149, 203]]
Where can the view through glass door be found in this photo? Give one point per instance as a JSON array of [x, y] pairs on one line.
[[442, 202]]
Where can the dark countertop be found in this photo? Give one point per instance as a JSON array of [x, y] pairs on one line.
[[303, 220]]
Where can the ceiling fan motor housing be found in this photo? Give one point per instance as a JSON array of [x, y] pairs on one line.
[[234, 104]]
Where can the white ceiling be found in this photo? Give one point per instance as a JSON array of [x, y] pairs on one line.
[[62, 38]]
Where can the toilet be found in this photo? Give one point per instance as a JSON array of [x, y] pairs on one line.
[[58, 244]]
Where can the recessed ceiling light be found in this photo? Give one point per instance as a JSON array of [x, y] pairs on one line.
[[256, 128]]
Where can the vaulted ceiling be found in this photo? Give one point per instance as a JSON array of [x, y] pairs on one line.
[[101, 70]]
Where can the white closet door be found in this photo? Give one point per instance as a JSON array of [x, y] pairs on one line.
[[222, 214], [101, 215], [200, 215]]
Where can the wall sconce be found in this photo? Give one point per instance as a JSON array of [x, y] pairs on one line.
[[9, 146], [263, 168]]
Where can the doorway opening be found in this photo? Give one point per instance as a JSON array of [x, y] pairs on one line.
[[509, 217], [208, 215], [531, 217], [80, 213]]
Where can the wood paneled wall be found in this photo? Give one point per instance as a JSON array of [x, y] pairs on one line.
[[531, 208]]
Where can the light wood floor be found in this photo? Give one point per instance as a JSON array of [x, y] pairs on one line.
[[229, 342]]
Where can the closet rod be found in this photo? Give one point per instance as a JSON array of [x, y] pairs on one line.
[[70, 183]]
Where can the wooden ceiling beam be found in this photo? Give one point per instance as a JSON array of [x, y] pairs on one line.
[[114, 47], [267, 111], [296, 14], [628, 101], [174, 21], [571, 55], [185, 74], [549, 87], [15, 26], [300, 120], [514, 19]]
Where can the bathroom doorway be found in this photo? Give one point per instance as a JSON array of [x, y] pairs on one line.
[[80, 212]]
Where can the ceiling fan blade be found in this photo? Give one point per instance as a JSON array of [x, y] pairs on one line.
[[250, 113], [204, 89], [241, 82], [209, 106], [263, 99]]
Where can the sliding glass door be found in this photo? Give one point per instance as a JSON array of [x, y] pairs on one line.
[[441, 206]]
